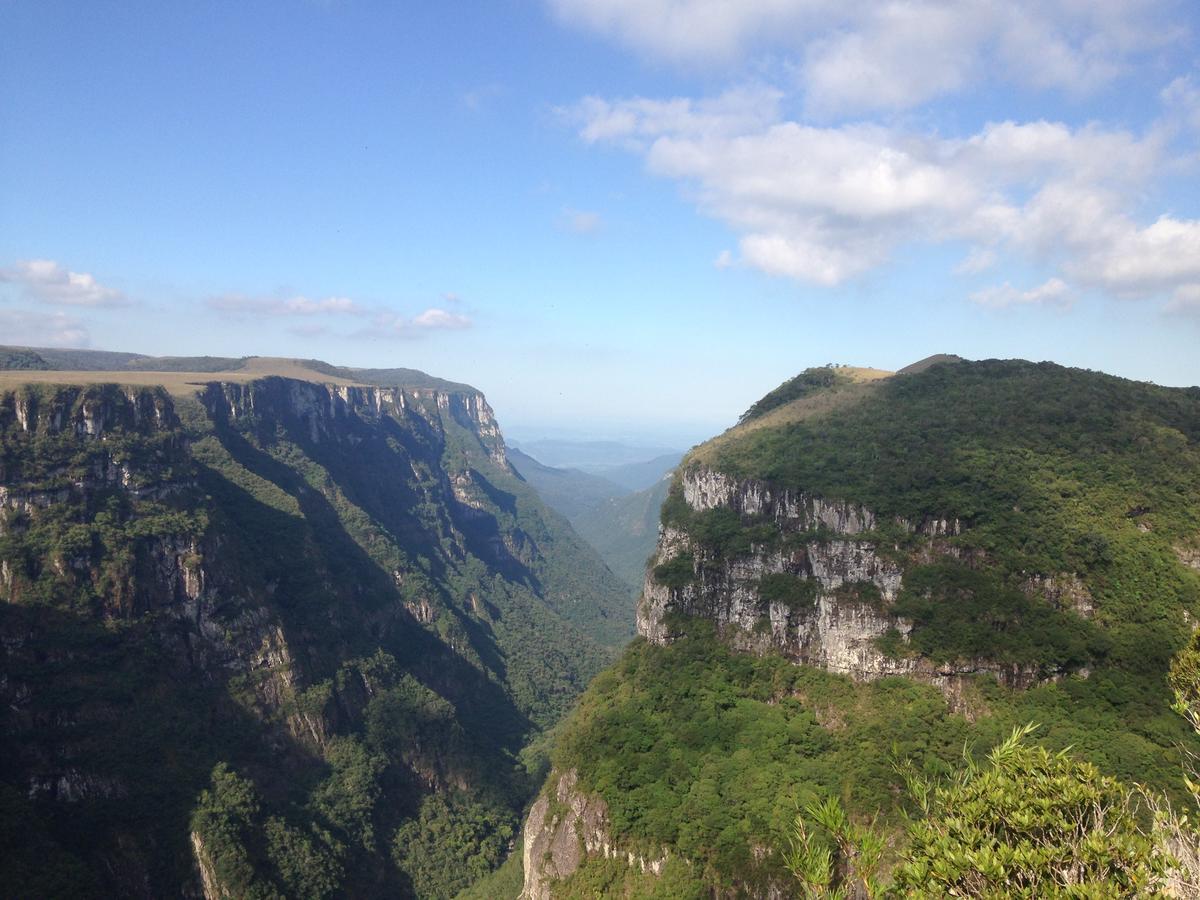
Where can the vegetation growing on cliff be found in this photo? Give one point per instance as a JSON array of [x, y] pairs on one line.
[[1046, 472], [1073, 492], [1026, 823], [320, 645], [710, 752]]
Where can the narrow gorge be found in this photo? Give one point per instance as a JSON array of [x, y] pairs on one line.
[[259, 636]]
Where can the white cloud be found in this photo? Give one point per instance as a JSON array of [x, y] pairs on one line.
[[1054, 292], [824, 204], [637, 120], [239, 304], [42, 329], [434, 318], [1182, 99], [688, 30], [893, 54], [1186, 301], [390, 325], [384, 322], [50, 282], [979, 259], [578, 221]]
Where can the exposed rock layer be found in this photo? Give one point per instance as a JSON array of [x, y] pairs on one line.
[[856, 579]]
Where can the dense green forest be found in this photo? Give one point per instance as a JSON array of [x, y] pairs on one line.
[[1052, 476], [306, 645]]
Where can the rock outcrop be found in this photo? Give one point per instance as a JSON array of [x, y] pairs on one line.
[[852, 578], [243, 585], [564, 826]]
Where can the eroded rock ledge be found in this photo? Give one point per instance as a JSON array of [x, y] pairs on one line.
[[565, 826], [855, 581]]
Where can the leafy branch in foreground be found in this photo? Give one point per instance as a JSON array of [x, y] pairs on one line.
[[1028, 823], [849, 867]]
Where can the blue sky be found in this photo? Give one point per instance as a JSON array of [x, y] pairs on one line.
[[619, 218]]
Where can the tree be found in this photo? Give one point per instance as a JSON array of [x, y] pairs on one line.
[[1028, 823], [845, 864]]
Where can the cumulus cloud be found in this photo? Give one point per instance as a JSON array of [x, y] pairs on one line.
[[1054, 292], [389, 325], [51, 282], [42, 329], [979, 259], [1182, 99], [383, 321], [824, 204], [689, 30], [893, 54], [239, 304], [1186, 301]]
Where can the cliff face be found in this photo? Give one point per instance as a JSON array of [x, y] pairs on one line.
[[1030, 524], [342, 595], [564, 826], [850, 577]]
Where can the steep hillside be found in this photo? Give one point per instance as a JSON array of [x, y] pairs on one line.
[[641, 476], [870, 567], [275, 637], [623, 530], [620, 524], [567, 491]]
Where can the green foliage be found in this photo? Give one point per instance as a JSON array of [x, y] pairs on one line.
[[1184, 679], [21, 358], [309, 864], [719, 532], [1030, 823], [364, 639], [709, 753], [347, 798], [505, 883], [452, 844], [783, 587], [599, 877], [802, 385], [253, 855], [959, 612], [677, 572], [846, 863], [676, 513], [226, 820]]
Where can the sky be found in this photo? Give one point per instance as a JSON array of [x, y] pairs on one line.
[[622, 219]]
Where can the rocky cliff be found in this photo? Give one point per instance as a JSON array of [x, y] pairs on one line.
[[251, 640], [838, 567], [865, 569], [564, 826]]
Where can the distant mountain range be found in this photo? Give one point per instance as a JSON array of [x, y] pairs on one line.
[[614, 508], [591, 456]]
